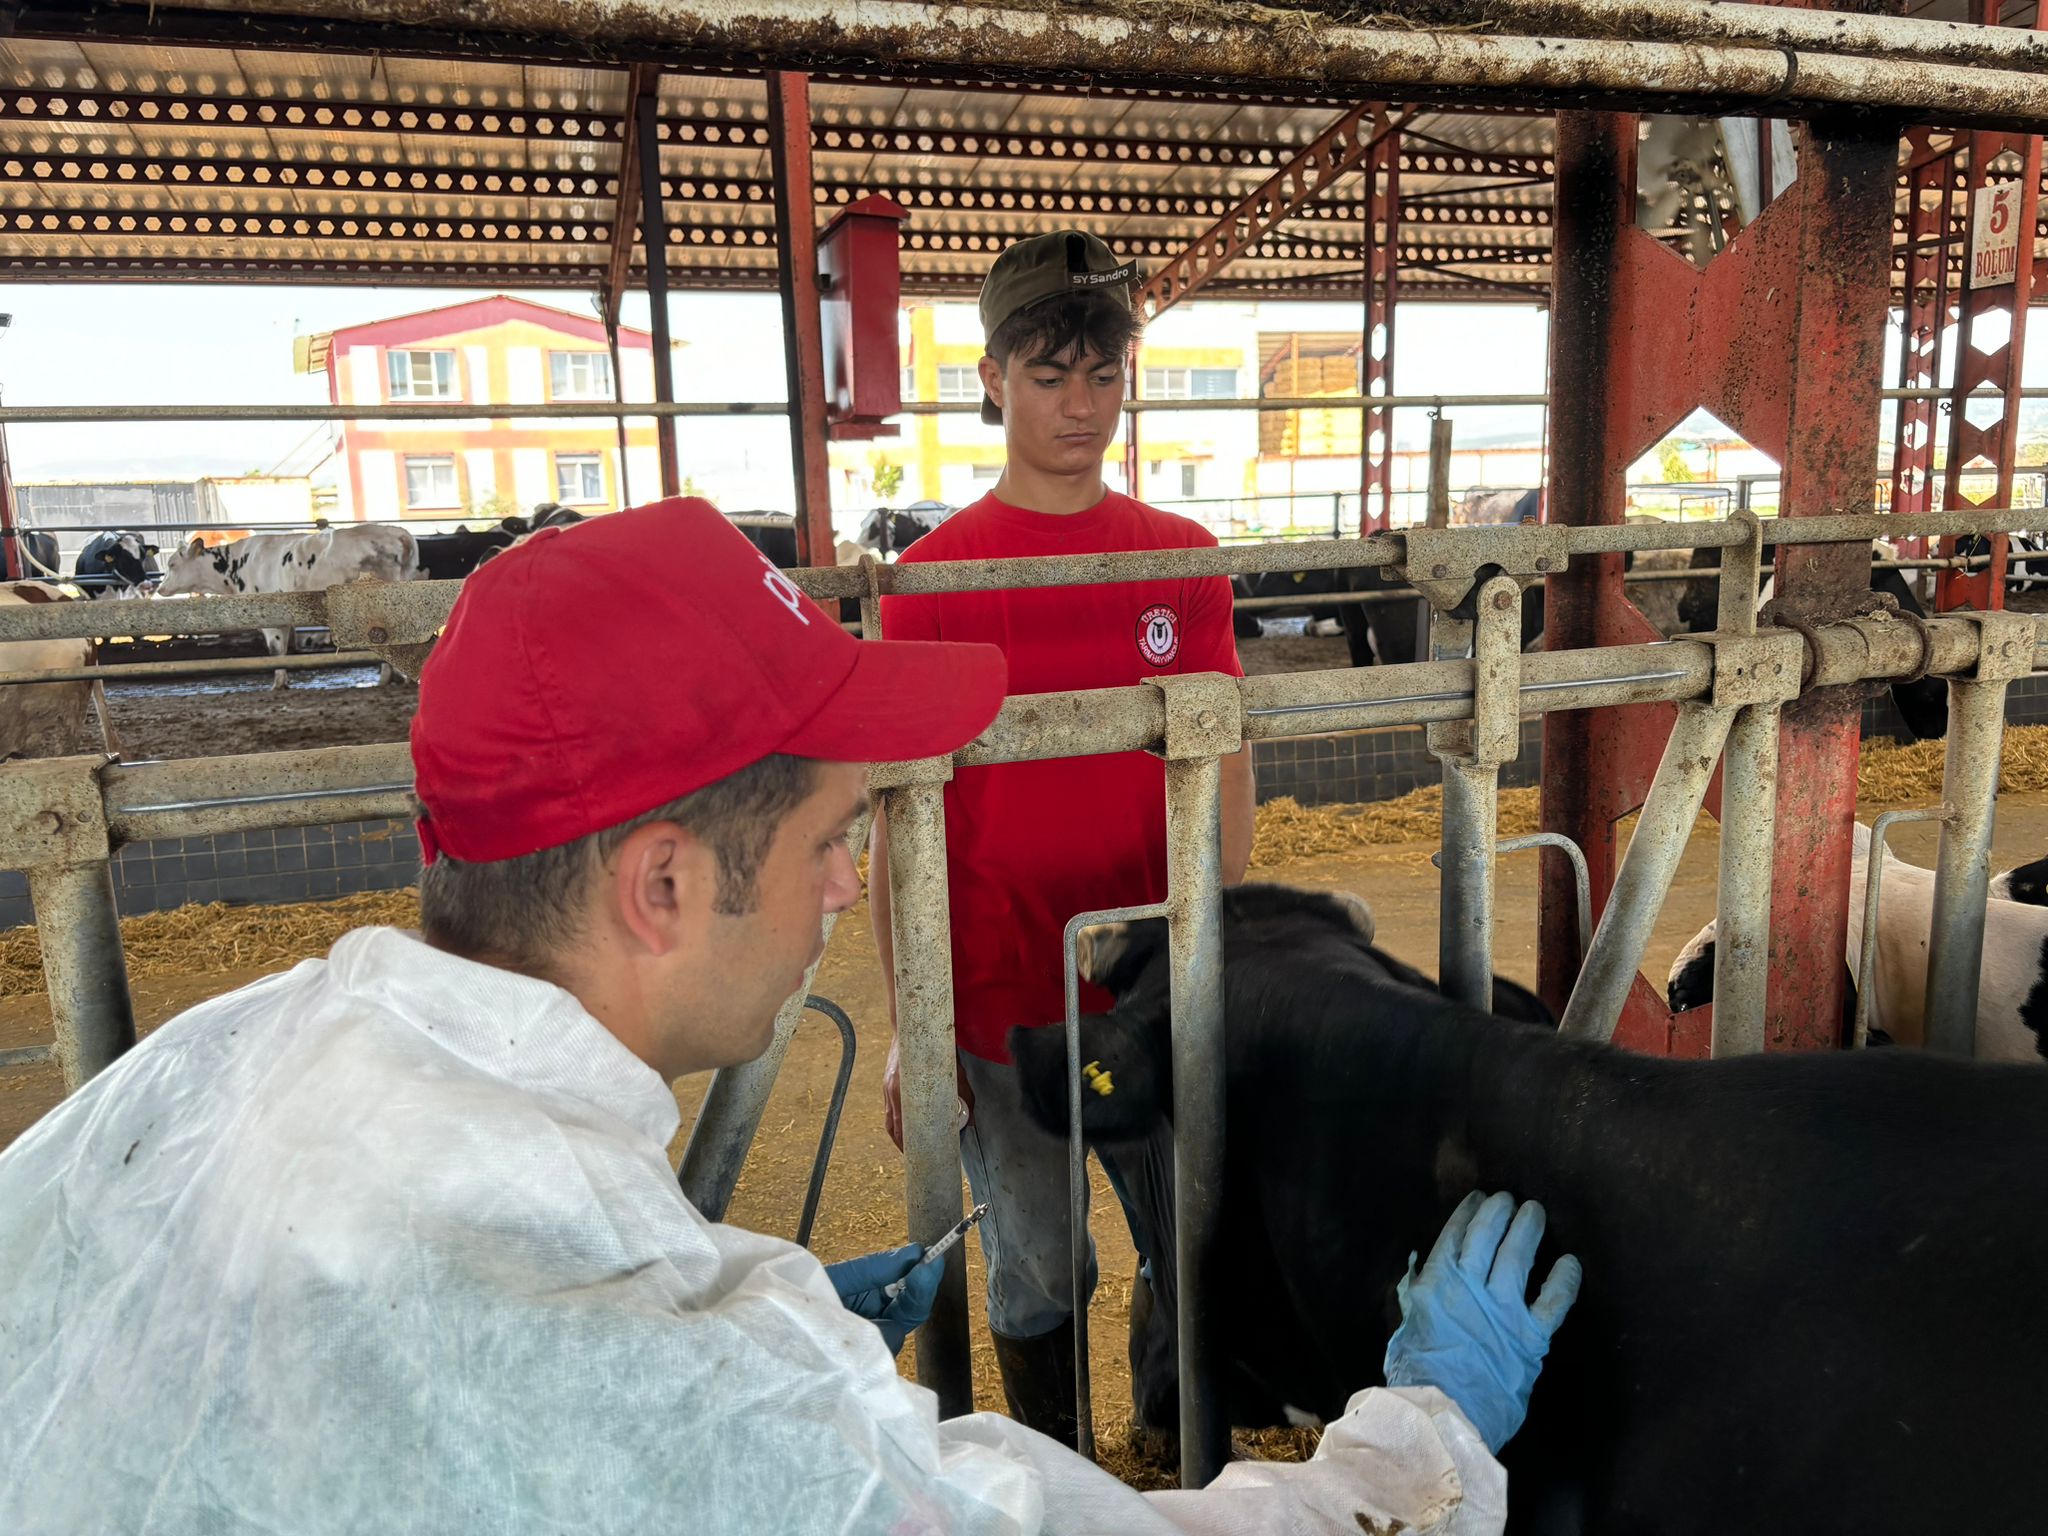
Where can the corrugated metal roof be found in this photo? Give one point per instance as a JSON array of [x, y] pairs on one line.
[[136, 160]]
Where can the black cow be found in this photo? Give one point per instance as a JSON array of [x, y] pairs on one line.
[[116, 564], [1812, 1296], [39, 556], [452, 556]]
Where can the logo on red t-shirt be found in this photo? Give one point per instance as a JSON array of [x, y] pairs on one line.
[[1159, 634]]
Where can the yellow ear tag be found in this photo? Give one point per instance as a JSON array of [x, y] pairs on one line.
[[1098, 1079]]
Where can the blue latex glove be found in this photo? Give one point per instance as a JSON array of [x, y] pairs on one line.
[[859, 1283], [1466, 1325]]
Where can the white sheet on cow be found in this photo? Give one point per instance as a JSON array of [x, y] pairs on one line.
[[391, 1243]]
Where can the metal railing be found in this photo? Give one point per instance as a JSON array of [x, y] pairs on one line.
[[61, 819]]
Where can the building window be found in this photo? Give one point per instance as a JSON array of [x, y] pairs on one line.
[[580, 375], [1187, 480], [421, 375], [430, 482], [579, 478], [986, 474], [1190, 383], [960, 382], [907, 390]]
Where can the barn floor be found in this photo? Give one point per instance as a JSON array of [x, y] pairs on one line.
[[863, 1198]]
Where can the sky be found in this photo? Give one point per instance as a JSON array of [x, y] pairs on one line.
[[124, 344]]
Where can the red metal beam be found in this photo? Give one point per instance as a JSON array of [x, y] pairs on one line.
[[1930, 183], [643, 81], [1376, 348], [1338, 150], [796, 243], [654, 245], [1781, 336], [1983, 403]]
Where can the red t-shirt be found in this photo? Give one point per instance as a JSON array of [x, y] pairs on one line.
[[1031, 844]]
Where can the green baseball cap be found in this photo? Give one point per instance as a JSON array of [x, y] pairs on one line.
[[1045, 267]]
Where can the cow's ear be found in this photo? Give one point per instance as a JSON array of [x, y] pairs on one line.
[[1115, 955], [196, 547], [1126, 1077], [150, 549]]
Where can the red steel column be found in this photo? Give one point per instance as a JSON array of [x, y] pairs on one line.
[[1930, 189], [1983, 400], [1782, 337], [1836, 362], [803, 337], [654, 241], [1376, 356]]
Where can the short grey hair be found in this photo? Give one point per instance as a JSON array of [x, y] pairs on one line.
[[523, 912]]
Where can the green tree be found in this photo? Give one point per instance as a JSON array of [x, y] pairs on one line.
[[1671, 463], [888, 480]]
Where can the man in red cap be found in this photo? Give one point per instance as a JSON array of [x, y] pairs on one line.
[[390, 1243], [1031, 844]]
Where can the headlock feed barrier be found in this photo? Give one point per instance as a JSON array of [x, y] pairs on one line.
[[61, 819]]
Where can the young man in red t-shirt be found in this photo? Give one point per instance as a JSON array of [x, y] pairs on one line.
[[1031, 844]]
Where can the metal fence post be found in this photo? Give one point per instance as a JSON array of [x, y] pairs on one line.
[[1204, 723], [1969, 795], [1767, 675], [1472, 753], [83, 967], [913, 800], [1616, 953], [54, 825]]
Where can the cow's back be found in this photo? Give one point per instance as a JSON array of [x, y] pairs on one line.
[[328, 557], [41, 719]]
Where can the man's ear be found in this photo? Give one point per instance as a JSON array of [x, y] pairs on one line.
[[992, 379], [660, 885]]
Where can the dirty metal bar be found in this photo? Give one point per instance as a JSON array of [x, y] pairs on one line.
[[913, 800], [1715, 21], [1575, 856], [1194, 876], [1962, 868], [161, 671], [84, 968], [1077, 1155], [1666, 821], [1007, 40], [1749, 816], [803, 345], [201, 796], [1873, 881], [814, 1192], [738, 1096], [1465, 920]]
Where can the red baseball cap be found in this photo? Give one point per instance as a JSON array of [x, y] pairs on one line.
[[595, 672]]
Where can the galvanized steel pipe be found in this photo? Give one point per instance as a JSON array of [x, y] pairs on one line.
[[1465, 915], [1666, 821], [84, 968], [1962, 868], [1194, 924], [918, 911], [1742, 938]]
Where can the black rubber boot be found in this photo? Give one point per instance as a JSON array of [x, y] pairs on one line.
[[1038, 1381]]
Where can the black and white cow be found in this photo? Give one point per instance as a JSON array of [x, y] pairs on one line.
[[292, 562], [116, 565], [888, 531], [2012, 985], [1812, 1297]]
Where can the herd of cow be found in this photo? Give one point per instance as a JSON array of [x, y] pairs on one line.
[[1810, 1297]]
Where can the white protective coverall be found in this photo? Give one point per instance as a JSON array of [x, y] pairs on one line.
[[390, 1243]]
